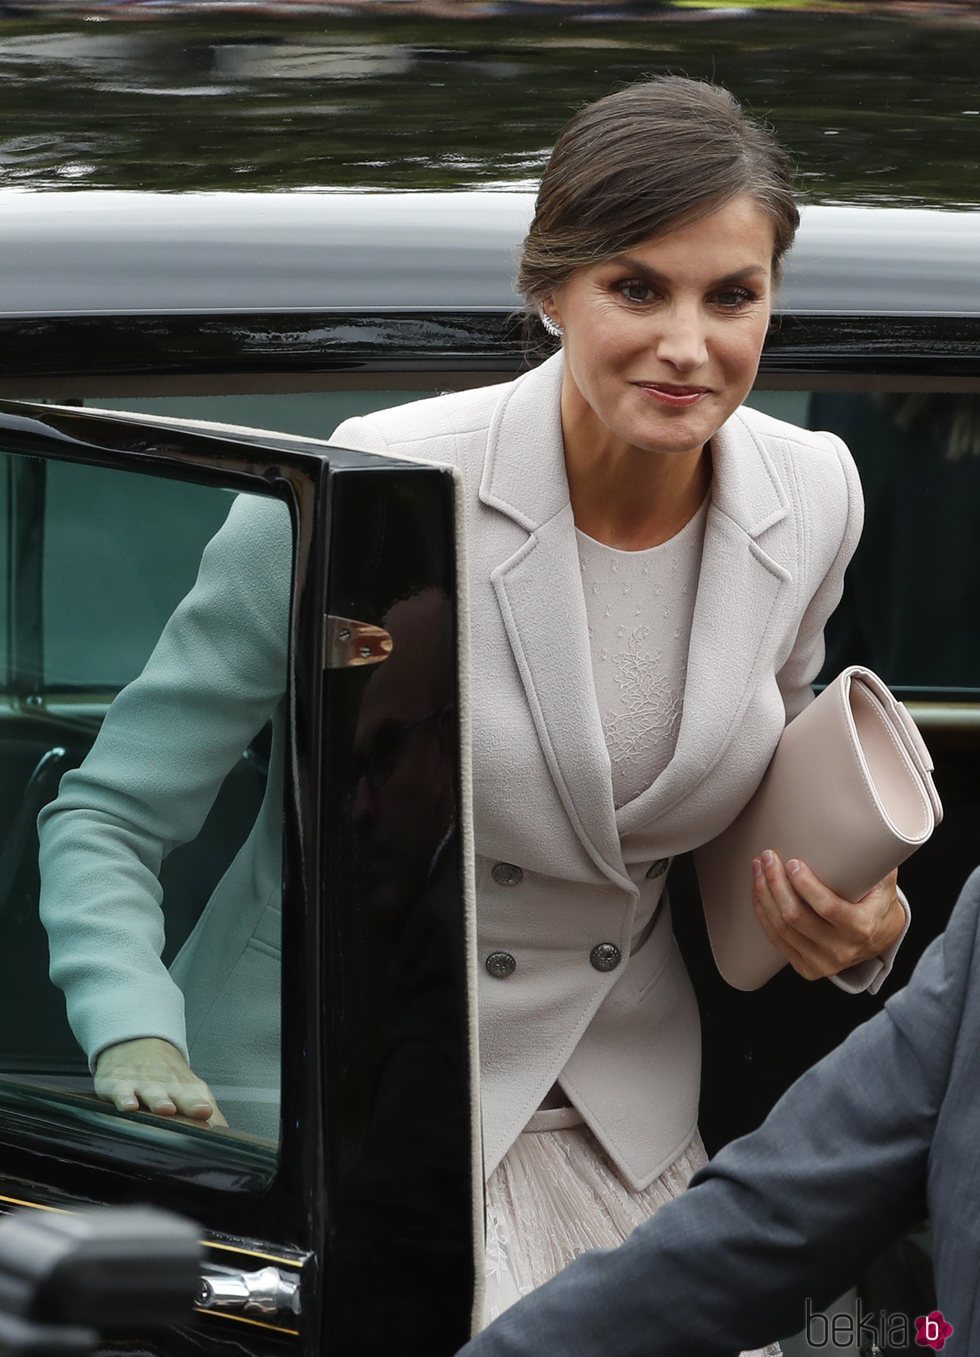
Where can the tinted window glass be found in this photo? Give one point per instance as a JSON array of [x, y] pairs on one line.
[[909, 605], [314, 414], [158, 874], [4, 565], [120, 551]]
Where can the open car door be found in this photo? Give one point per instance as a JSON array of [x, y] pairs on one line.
[[236, 655]]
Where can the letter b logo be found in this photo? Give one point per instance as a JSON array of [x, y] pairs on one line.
[[932, 1330]]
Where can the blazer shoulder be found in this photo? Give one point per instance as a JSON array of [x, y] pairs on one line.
[[811, 448], [430, 428], [815, 467]]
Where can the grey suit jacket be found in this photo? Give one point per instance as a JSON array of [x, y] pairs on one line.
[[798, 1208], [784, 517]]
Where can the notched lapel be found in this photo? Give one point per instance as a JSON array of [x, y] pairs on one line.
[[540, 596], [539, 591]]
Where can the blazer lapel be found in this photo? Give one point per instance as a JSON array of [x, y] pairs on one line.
[[738, 589], [540, 597]]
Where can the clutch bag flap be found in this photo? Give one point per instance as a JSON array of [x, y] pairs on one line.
[[849, 791]]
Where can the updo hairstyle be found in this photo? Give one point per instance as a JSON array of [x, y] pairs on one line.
[[642, 162]]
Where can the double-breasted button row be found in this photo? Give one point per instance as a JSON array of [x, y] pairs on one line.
[[503, 964], [658, 868], [605, 956]]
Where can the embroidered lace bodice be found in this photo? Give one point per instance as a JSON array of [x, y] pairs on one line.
[[640, 606]]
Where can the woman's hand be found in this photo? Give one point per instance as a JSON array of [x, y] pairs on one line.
[[151, 1074], [818, 932]]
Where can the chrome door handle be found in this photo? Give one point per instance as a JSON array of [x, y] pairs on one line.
[[266, 1292]]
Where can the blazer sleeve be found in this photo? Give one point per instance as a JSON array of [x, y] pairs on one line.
[[168, 740], [837, 497], [360, 433], [794, 1210], [841, 500]]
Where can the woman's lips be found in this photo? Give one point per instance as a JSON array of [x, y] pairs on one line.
[[673, 397]]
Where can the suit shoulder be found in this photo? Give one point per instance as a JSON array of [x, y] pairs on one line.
[[819, 444], [819, 461], [427, 427]]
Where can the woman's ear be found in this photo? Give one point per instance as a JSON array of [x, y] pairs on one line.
[[548, 311]]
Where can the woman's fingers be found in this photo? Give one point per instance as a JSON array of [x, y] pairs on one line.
[[805, 920], [790, 909], [780, 931], [780, 943], [859, 929], [152, 1074]]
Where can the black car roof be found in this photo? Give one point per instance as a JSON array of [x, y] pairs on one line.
[[89, 253]]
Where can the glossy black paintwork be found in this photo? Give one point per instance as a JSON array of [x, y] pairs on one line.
[[305, 342], [397, 1092], [66, 357]]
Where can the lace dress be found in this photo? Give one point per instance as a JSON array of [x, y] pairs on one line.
[[556, 1194]]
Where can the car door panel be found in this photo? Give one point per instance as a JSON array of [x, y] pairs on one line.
[[368, 1190]]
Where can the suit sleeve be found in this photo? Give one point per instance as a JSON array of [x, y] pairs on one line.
[[794, 1210], [169, 739], [840, 499], [361, 434], [844, 499]]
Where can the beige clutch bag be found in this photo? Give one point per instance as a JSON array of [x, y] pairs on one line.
[[849, 791]]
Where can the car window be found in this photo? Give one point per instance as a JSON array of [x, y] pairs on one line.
[[909, 607], [908, 610], [144, 667], [905, 613], [115, 546], [4, 563], [314, 414]]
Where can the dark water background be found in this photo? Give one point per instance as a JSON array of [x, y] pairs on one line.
[[883, 109]]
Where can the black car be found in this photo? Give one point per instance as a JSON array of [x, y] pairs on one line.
[[164, 354]]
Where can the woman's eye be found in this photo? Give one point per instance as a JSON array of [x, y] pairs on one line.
[[731, 298], [635, 291]]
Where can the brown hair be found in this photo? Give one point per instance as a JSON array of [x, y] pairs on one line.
[[641, 162]]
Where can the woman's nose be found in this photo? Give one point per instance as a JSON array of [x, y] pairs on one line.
[[682, 341]]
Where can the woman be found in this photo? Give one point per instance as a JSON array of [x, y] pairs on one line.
[[650, 571]]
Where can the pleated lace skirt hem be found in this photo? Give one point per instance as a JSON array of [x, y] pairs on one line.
[[555, 1195]]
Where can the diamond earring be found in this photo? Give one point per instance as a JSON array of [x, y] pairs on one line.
[[551, 326]]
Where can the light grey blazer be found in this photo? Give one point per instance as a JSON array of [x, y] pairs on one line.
[[559, 870], [785, 517]]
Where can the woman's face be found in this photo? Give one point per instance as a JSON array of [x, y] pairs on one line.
[[663, 342]]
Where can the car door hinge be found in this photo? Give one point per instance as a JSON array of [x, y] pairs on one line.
[[267, 1292], [347, 643]]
